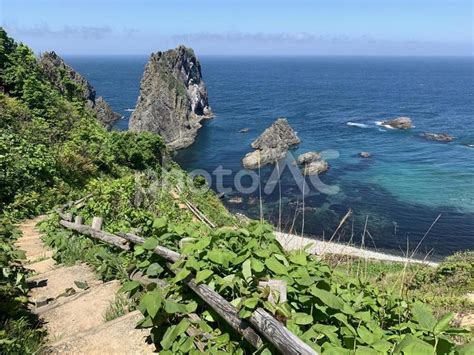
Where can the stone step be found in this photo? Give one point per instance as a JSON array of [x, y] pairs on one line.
[[41, 267], [38, 256], [51, 284], [78, 313], [118, 336]]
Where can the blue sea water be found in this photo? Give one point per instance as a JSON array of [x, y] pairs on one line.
[[334, 103]]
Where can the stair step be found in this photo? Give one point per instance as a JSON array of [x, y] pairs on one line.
[[43, 266], [118, 336], [53, 283], [78, 313]]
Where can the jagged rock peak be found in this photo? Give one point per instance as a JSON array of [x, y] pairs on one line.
[[61, 75], [278, 135], [173, 97], [272, 145]]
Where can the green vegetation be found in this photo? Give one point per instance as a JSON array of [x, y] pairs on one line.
[[53, 149], [334, 306], [445, 288], [18, 328]]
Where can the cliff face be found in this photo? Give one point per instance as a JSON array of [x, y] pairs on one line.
[[72, 84], [173, 98]]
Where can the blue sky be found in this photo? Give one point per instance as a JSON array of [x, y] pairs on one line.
[[258, 27]]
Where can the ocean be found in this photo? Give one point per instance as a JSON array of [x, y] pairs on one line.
[[409, 190]]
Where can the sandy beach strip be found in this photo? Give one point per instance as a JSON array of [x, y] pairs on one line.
[[294, 242]]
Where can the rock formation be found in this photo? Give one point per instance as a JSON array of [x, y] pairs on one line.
[[365, 154], [308, 157], [173, 98], [315, 167], [72, 84], [312, 163], [399, 123], [272, 145], [440, 137]]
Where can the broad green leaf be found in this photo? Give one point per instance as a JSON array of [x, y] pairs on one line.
[[203, 275], [246, 270], [412, 345], [202, 243], [257, 265], [138, 250], [329, 331], [191, 306], [216, 256], [187, 345], [245, 313], [151, 301], [174, 307], [154, 269], [366, 336], [181, 275], [284, 309], [159, 223], [365, 350], [144, 264], [236, 302], [275, 266], [129, 286], [150, 243], [299, 259], [466, 349], [382, 345], [328, 298], [173, 332], [423, 315], [302, 318], [443, 323], [251, 302]]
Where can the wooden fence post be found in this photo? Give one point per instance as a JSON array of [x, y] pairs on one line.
[[78, 220], [97, 223], [68, 217], [277, 290]]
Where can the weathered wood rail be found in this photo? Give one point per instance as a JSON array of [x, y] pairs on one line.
[[260, 322]]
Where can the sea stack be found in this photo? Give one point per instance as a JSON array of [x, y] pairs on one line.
[[173, 98], [72, 84], [272, 145]]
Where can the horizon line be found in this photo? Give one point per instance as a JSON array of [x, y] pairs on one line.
[[276, 55]]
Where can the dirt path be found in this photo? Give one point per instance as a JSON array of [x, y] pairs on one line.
[[72, 303]]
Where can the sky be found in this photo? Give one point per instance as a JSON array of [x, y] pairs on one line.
[[245, 27]]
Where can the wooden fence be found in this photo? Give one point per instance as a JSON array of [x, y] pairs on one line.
[[260, 324]]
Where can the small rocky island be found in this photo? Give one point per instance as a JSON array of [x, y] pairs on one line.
[[272, 145], [398, 123], [72, 84], [439, 137], [173, 98], [312, 163]]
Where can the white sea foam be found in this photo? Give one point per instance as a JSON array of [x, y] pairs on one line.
[[380, 123], [129, 109], [355, 124]]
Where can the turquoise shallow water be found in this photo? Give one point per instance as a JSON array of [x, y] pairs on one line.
[[406, 184]]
